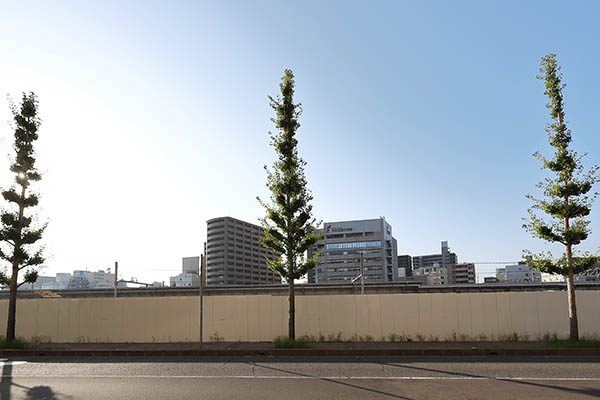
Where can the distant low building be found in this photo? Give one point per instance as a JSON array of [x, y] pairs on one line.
[[591, 275], [62, 280], [519, 273], [189, 277], [442, 259], [79, 283], [434, 274], [460, 274], [97, 280], [185, 280], [546, 277], [45, 283]]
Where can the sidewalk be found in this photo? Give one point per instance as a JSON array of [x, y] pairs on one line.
[[219, 349]]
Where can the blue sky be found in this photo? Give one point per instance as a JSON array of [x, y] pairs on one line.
[[156, 118]]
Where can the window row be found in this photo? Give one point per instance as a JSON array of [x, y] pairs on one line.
[[353, 245]]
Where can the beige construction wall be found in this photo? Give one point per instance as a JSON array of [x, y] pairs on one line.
[[263, 317]]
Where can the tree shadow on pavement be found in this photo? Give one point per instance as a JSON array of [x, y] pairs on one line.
[[586, 391], [32, 393], [335, 381]]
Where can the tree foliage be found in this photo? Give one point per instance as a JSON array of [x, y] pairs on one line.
[[289, 225], [567, 198], [18, 231]]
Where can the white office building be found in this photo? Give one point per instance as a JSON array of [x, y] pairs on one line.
[[341, 246], [185, 280], [519, 273], [97, 280]]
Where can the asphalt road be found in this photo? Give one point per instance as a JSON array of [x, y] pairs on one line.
[[312, 378]]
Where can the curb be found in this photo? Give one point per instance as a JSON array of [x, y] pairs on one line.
[[303, 352]]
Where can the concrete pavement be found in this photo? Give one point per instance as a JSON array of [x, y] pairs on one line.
[[302, 378]]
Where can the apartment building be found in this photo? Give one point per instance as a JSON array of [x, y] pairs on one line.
[[234, 255], [460, 274]]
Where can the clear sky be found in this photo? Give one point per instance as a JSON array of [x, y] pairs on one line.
[[156, 118]]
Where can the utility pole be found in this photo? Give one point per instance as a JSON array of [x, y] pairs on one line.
[[362, 274], [116, 273], [200, 293]]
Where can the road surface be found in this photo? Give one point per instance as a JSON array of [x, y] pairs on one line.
[[311, 378]]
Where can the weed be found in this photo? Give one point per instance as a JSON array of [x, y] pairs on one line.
[[335, 338], [17, 343], [284, 342], [216, 338], [512, 337]]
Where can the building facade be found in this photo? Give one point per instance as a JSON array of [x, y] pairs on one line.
[[191, 265], [443, 259], [460, 274], [519, 273], [186, 279], [96, 280], [189, 277], [340, 248], [405, 262], [234, 255], [431, 275]]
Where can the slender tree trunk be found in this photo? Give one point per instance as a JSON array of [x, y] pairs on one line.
[[12, 307], [573, 323], [292, 322], [12, 297]]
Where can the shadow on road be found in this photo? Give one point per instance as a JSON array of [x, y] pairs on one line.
[[586, 391], [32, 393], [336, 382]]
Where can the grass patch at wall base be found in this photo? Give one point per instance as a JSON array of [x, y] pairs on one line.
[[284, 342], [17, 343], [566, 343]]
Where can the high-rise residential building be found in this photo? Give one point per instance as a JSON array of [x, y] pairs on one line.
[[443, 259], [405, 262], [234, 255], [342, 244], [459, 274]]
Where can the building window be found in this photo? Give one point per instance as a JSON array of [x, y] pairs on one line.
[[352, 245]]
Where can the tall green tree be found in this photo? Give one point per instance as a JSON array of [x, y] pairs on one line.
[[18, 230], [289, 227], [567, 196]]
